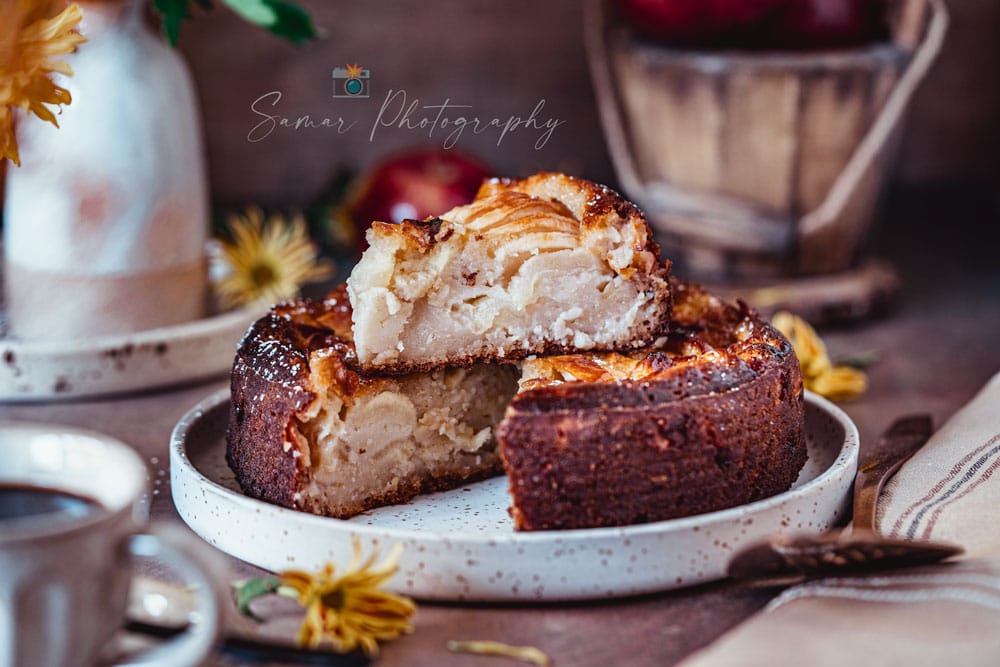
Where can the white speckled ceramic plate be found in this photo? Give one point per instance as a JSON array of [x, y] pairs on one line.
[[56, 370], [461, 544]]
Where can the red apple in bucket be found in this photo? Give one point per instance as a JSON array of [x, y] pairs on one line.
[[823, 24], [698, 23], [415, 185], [763, 24]]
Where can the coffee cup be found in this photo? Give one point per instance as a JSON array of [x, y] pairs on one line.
[[74, 507]]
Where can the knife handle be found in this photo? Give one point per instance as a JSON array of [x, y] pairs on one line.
[[894, 448]]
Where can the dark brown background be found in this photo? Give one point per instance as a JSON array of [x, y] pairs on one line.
[[502, 58]]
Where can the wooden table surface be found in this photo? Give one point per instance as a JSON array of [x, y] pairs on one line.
[[936, 350]]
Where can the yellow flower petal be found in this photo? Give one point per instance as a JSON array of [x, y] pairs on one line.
[[838, 383], [524, 653], [33, 34], [809, 347], [8, 145], [351, 610], [268, 261]]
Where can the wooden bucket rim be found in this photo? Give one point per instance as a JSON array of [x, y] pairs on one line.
[[875, 55]]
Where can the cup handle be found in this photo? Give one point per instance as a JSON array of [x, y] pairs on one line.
[[200, 568]]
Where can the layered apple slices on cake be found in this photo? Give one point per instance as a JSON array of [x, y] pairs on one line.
[[543, 265]]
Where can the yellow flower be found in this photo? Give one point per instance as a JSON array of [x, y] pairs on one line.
[[819, 374], [268, 262], [351, 610], [33, 33]]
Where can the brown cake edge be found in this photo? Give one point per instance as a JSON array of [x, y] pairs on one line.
[[258, 449], [725, 449]]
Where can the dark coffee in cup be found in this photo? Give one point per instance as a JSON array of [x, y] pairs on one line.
[[37, 502], [73, 519]]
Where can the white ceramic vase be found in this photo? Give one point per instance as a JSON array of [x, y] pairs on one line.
[[106, 221]]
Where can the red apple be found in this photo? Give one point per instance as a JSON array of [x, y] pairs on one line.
[[767, 24], [415, 185], [699, 23], [823, 24]]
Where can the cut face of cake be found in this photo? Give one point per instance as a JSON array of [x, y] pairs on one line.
[[711, 417], [309, 432], [543, 265]]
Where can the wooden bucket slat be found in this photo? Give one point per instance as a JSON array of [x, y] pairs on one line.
[[779, 157]]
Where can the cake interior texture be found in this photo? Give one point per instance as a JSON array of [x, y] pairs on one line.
[[413, 434], [308, 431], [530, 267]]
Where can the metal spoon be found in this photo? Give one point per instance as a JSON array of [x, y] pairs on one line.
[[858, 548]]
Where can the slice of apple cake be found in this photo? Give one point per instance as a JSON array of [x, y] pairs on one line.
[[309, 432], [547, 264]]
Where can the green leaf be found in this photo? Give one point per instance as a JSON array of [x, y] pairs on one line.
[[249, 589], [284, 19], [255, 11], [294, 23], [173, 12], [861, 360]]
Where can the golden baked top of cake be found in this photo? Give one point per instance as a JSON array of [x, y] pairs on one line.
[[546, 211], [711, 345]]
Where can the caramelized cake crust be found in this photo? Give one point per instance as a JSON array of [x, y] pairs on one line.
[[710, 417]]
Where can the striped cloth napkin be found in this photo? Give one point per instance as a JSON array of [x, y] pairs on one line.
[[945, 614]]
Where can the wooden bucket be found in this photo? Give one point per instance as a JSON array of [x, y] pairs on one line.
[[756, 166]]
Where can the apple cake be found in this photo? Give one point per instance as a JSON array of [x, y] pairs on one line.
[[309, 432], [543, 265], [711, 417]]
